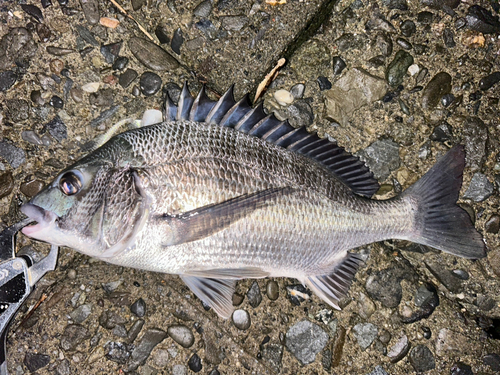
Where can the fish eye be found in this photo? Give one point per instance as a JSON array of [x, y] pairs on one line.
[[70, 183]]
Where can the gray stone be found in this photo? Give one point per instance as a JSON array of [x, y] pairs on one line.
[[241, 319], [63, 368], [254, 296], [305, 340], [422, 359], [365, 334], [203, 9], [149, 340], [35, 361], [445, 276], [7, 80], [272, 289], [382, 157], [110, 319], [72, 336], [117, 352], [182, 335], [57, 129], [398, 67], [234, 23], [273, 354], [17, 46], [492, 360], [385, 287], [299, 113], [138, 308], [365, 306], [179, 370], [81, 313], [13, 155], [481, 19], [476, 136], [134, 330], [379, 370], [152, 56], [6, 184], [354, 90], [480, 188], [449, 342], [91, 10], [399, 350]]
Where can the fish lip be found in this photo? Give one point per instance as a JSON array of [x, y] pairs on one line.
[[43, 217]]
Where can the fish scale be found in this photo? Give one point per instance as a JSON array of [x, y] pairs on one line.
[[221, 191]]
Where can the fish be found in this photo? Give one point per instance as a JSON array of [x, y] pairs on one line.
[[217, 191]]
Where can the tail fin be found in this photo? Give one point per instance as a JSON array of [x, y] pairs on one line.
[[440, 222]]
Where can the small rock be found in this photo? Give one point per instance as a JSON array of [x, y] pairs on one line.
[[378, 370], [425, 17], [489, 81], [385, 287], [241, 319], [117, 352], [120, 331], [81, 313], [182, 335], [59, 51], [454, 343], [272, 288], [305, 340], [485, 303], [91, 87], [480, 188], [384, 44], [442, 132], [300, 113], [150, 83], [109, 319], [403, 43], [7, 80], [448, 38], [6, 184], [86, 35], [399, 350], [492, 225], [461, 368], [253, 295], [365, 334], [72, 336], [91, 10], [56, 128], [234, 23], [151, 56], [56, 102], [13, 155], [36, 361], [480, 19], [127, 78], [445, 277], [338, 65], [438, 86], [408, 28], [476, 136], [137, 4], [177, 41], [398, 67], [324, 83], [17, 47], [120, 63], [447, 100], [194, 363], [382, 157], [422, 359], [111, 51], [104, 115], [492, 360], [365, 306], [179, 370], [203, 9], [396, 4], [33, 11], [273, 355], [141, 352], [63, 368], [139, 308], [283, 97], [133, 331]]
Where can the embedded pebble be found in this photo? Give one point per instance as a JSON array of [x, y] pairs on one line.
[[366, 307], [442, 132], [104, 115], [492, 360], [110, 319], [385, 286], [448, 38], [35, 361], [283, 97], [56, 128], [408, 28], [241, 319], [365, 334], [182, 335], [59, 51], [384, 44], [17, 110], [33, 11], [117, 352], [72, 274], [86, 35], [91, 10], [111, 51], [6, 184], [177, 41], [152, 56], [445, 277], [135, 329], [31, 188], [481, 19], [378, 370], [305, 340], [324, 83], [461, 368], [272, 290], [382, 157], [127, 77], [203, 9], [102, 98], [72, 336], [81, 313], [120, 63], [194, 363], [150, 83], [438, 86], [138, 308], [143, 349], [15, 156], [7, 80], [492, 225], [56, 102], [297, 90], [179, 370], [338, 65], [480, 188], [398, 67], [489, 81], [234, 23], [162, 33], [15, 46], [273, 355], [91, 87], [254, 296], [137, 4], [422, 359]]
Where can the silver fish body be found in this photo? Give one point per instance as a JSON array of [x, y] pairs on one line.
[[215, 204]]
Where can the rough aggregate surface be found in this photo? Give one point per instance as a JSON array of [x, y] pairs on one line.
[[397, 82]]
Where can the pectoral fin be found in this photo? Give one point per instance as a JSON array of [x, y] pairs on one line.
[[217, 293], [332, 288], [208, 220]]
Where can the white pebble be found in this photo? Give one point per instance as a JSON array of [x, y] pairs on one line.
[[283, 97], [413, 69], [91, 87]]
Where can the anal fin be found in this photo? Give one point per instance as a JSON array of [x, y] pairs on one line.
[[217, 293], [333, 287], [230, 273]]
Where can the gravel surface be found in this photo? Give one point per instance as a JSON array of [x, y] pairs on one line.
[[397, 82]]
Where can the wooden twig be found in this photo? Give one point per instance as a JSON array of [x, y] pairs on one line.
[[133, 19], [268, 78]]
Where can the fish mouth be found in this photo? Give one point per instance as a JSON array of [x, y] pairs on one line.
[[43, 217]]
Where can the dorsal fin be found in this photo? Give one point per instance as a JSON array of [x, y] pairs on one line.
[[254, 121]]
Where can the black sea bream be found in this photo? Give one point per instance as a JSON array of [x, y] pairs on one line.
[[220, 191]]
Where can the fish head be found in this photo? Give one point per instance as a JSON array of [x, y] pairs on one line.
[[94, 207]]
